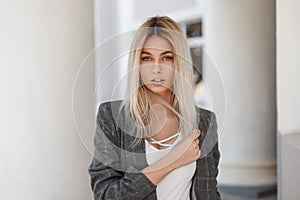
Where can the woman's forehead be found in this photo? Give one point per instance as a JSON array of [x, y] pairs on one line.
[[157, 43]]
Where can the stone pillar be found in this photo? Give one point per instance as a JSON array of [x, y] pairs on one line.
[[42, 46], [288, 98], [240, 40]]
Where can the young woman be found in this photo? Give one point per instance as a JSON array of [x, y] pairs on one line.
[[147, 146]]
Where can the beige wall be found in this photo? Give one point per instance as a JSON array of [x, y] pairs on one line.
[[42, 46], [288, 66], [288, 97], [143, 10]]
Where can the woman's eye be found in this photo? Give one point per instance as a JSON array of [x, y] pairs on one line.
[[146, 58], [168, 58]]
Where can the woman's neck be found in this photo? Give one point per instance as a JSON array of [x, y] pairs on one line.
[[159, 98]]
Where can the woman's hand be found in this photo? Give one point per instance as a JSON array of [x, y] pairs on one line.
[[186, 151], [183, 153]]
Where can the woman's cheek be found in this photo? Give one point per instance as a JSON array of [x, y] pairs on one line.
[[143, 75]]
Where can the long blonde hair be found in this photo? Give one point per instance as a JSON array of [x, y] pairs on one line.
[[137, 101]]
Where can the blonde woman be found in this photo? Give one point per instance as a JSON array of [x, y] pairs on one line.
[[150, 145]]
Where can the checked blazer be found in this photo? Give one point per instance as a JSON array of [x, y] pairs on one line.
[[115, 170]]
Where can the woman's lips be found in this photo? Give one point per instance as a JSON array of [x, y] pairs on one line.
[[157, 82]]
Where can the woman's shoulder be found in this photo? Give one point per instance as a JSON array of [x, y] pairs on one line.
[[108, 112], [115, 105], [205, 118], [110, 103], [209, 131], [109, 106], [204, 113]]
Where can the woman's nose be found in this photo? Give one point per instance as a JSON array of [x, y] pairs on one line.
[[156, 68]]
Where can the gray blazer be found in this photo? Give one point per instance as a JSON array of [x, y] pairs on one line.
[[115, 170]]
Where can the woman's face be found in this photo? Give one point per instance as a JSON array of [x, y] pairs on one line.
[[156, 65]]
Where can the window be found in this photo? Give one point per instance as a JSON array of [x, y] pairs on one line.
[[193, 31]]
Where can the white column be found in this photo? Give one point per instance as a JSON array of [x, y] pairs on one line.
[[288, 98], [240, 40], [42, 45]]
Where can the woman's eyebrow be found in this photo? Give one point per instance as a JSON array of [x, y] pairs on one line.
[[163, 53], [166, 52], [146, 52]]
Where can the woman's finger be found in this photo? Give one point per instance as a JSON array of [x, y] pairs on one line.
[[197, 133]]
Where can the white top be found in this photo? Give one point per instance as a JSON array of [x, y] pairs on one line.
[[176, 185]]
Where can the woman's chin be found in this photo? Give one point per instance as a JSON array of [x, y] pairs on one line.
[[159, 89]]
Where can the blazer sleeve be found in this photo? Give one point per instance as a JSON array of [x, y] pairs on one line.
[[108, 179], [215, 155], [207, 166]]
